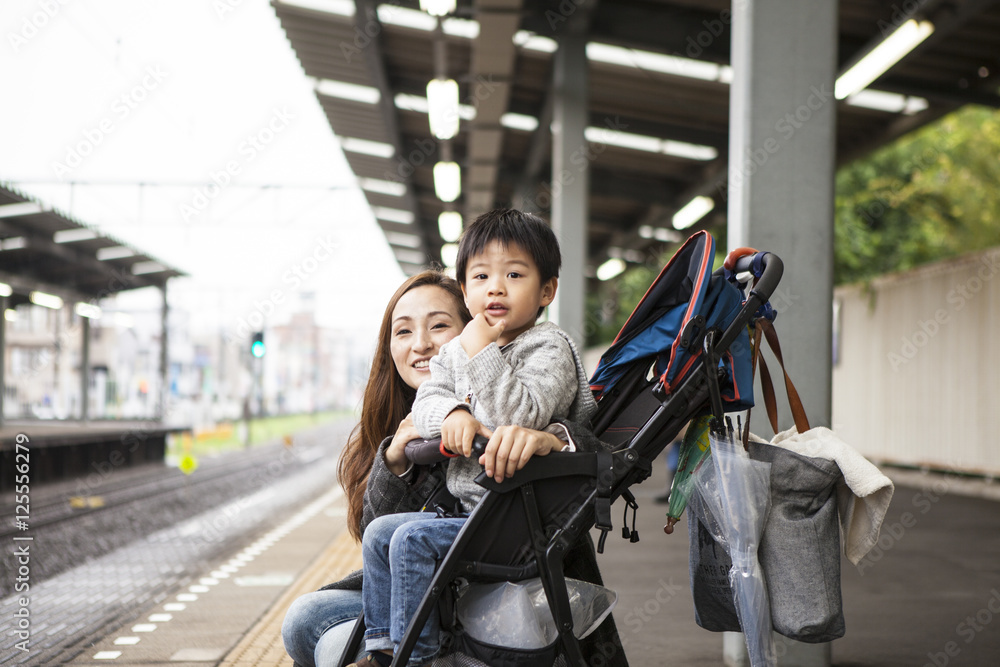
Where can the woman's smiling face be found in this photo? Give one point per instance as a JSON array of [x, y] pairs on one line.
[[424, 319]]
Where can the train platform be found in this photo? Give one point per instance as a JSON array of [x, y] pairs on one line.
[[928, 594]]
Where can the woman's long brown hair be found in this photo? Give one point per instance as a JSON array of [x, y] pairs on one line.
[[387, 400]]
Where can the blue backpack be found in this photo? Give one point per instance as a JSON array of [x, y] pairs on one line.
[[663, 337]]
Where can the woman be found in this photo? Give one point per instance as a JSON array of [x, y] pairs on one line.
[[425, 312]]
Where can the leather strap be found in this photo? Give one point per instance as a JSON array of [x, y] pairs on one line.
[[794, 402]]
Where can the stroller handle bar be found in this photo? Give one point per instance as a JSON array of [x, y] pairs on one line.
[[768, 268]]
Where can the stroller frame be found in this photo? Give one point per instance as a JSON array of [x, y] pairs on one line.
[[609, 476]]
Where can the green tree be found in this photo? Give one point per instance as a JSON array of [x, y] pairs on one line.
[[927, 196]]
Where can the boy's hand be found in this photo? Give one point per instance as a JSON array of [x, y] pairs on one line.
[[457, 431], [511, 447], [479, 333]]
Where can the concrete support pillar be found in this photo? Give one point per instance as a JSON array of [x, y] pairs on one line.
[[85, 369], [781, 190], [570, 179], [3, 354], [161, 411]]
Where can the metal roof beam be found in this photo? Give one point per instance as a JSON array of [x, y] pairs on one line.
[[367, 21], [676, 31], [73, 257], [492, 68]]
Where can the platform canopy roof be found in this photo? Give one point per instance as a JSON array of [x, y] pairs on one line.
[[659, 73], [44, 250]]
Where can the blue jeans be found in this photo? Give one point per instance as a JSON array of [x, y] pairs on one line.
[[318, 626], [400, 553]]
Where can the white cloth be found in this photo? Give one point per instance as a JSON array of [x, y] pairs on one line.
[[863, 493]]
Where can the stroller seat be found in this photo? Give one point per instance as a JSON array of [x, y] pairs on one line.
[[684, 352]]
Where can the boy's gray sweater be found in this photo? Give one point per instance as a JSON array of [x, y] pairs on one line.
[[532, 380]]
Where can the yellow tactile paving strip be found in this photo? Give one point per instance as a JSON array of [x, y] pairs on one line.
[[262, 644]]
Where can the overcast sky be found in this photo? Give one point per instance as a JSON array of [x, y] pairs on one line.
[[180, 96]]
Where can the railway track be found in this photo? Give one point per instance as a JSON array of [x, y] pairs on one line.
[[131, 504]]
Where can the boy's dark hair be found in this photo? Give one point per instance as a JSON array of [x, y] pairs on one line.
[[510, 226]]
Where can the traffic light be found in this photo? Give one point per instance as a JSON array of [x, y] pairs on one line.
[[257, 348]]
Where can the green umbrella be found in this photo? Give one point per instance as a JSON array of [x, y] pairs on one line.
[[694, 450]]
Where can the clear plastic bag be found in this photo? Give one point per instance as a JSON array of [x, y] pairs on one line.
[[735, 493], [517, 615]]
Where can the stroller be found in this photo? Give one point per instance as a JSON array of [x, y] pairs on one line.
[[683, 352]]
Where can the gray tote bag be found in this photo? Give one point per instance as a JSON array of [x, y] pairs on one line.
[[799, 552]]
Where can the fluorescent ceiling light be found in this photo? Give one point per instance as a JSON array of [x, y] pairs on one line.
[[517, 121], [449, 254], [71, 235], [442, 107], [450, 225], [46, 300], [419, 105], [20, 208], [460, 27], [658, 233], [409, 256], [5, 289], [877, 61], [437, 7], [416, 20], [114, 252], [404, 240], [638, 142], [340, 7], [141, 268], [878, 100], [365, 147], [641, 142], [532, 42], [653, 62], [393, 214], [693, 211], [14, 243], [915, 105], [88, 310], [380, 186], [406, 18], [447, 181], [411, 102], [690, 151], [348, 91], [10, 315], [610, 268]]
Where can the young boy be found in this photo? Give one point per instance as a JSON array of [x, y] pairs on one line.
[[503, 369]]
